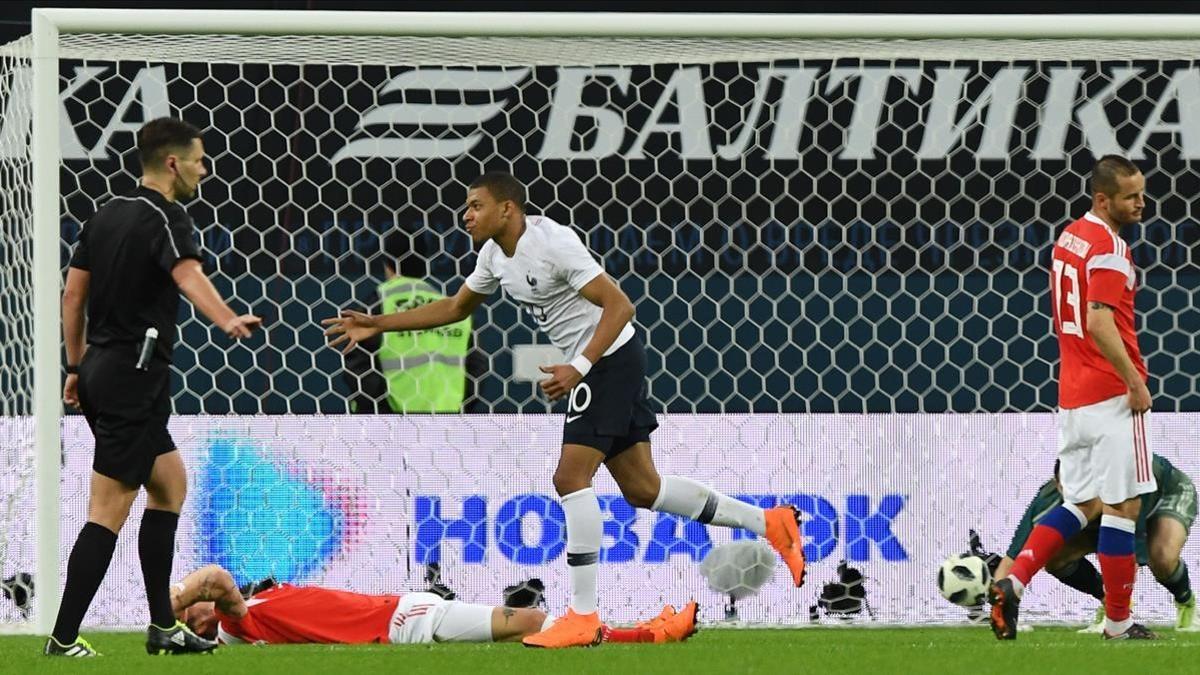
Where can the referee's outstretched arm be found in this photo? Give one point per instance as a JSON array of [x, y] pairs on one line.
[[190, 278]]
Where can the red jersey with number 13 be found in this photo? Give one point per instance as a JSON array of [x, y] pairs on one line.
[[1091, 264]]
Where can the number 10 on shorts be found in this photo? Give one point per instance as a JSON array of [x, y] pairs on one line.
[[580, 399]]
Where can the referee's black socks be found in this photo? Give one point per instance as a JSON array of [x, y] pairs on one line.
[[156, 549], [86, 567]]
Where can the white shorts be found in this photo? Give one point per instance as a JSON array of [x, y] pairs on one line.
[[424, 617], [1104, 451]]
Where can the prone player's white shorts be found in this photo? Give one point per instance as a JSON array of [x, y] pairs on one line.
[[425, 617], [1104, 451]]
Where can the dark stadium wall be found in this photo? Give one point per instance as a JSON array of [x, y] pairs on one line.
[[906, 275], [795, 240]]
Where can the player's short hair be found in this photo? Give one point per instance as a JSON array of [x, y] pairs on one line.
[[503, 186], [1108, 170], [157, 138]]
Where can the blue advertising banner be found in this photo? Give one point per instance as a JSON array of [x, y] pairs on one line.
[[367, 502]]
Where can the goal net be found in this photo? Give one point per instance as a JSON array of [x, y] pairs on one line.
[[837, 250], [17, 482]]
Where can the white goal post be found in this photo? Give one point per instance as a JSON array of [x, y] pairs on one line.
[[923, 50]]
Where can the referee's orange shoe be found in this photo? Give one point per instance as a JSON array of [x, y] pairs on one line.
[[783, 533], [572, 630]]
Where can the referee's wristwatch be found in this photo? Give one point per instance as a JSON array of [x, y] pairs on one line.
[[72, 370]]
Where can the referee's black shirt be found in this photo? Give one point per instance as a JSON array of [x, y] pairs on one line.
[[130, 247]]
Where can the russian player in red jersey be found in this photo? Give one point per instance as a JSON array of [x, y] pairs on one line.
[[1103, 403], [211, 604]]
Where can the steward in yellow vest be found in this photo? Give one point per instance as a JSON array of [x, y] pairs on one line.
[[425, 370]]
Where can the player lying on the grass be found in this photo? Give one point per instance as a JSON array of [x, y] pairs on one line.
[[1162, 529], [210, 603]]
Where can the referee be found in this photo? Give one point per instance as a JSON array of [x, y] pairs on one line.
[[133, 258]]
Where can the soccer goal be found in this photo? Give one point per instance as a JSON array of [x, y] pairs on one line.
[[834, 228]]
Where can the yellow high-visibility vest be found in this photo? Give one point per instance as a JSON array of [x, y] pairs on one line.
[[425, 369]]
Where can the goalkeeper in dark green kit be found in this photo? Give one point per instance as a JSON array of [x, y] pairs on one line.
[[1162, 529]]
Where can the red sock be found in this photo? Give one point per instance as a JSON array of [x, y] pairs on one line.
[[1118, 565], [627, 635], [1063, 522], [1039, 548], [1118, 572]]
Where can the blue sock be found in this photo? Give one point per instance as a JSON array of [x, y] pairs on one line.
[[1067, 519]]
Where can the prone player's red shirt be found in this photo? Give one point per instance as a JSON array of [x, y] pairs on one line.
[[287, 614], [1091, 264]]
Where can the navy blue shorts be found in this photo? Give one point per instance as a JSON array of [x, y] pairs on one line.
[[609, 409]]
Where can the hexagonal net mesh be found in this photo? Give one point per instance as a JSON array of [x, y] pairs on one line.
[[17, 496], [804, 227], [818, 235]]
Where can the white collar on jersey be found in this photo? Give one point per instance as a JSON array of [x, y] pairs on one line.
[[1094, 218], [227, 639]]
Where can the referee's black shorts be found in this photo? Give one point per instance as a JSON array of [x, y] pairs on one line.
[[609, 409], [127, 410]]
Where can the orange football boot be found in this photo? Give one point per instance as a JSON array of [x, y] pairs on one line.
[[650, 624], [783, 533], [677, 627], [572, 630]]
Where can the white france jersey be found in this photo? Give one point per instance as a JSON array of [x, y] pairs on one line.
[[544, 275]]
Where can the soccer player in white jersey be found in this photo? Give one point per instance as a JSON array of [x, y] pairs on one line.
[[545, 267]]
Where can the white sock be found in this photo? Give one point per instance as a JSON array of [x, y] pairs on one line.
[[585, 530], [686, 497], [1117, 627], [1018, 587]]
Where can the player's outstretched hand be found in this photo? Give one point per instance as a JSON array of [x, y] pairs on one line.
[[71, 391], [351, 328], [563, 379], [242, 326], [1139, 398]]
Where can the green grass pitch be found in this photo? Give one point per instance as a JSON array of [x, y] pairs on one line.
[[812, 650]]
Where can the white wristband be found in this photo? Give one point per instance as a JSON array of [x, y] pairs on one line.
[[581, 364]]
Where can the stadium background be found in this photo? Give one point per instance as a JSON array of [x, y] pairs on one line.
[[891, 284], [807, 258], [755, 280]]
